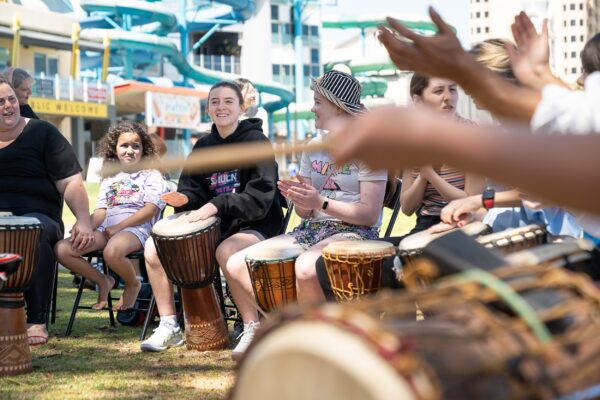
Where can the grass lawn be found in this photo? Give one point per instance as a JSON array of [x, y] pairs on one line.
[[98, 361]]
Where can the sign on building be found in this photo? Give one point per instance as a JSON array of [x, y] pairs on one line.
[[68, 108], [172, 110]]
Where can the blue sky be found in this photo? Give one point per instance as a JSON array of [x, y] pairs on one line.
[[455, 12]]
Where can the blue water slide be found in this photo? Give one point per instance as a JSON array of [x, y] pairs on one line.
[[141, 13], [154, 20], [165, 47], [156, 16]]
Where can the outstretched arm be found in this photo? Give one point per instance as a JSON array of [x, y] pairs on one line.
[[396, 138]]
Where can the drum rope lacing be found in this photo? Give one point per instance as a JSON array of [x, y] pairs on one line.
[[581, 315], [512, 299], [253, 266], [357, 287]]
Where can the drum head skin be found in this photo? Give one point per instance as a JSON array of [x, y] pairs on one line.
[[360, 248], [178, 225], [421, 239], [267, 252], [13, 220], [313, 360]]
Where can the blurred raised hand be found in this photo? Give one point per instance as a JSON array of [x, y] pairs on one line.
[[439, 55], [530, 60]]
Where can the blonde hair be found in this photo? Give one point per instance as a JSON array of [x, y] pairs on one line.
[[492, 54]]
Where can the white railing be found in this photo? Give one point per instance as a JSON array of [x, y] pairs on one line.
[[67, 88]]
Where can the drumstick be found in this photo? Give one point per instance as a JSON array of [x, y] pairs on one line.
[[220, 157]]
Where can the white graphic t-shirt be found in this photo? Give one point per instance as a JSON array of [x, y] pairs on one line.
[[343, 184]]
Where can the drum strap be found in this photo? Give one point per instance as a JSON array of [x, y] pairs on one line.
[[512, 299], [12, 303]]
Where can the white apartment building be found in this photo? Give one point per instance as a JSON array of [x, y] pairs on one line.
[[571, 23]]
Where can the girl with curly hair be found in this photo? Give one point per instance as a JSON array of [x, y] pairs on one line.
[[127, 207]]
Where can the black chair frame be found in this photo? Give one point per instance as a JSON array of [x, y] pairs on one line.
[[98, 254]]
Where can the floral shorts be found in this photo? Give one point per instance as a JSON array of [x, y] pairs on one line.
[[310, 233]]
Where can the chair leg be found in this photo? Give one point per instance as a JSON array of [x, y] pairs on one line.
[[51, 306], [111, 314], [149, 314], [219, 288], [181, 319], [54, 294], [75, 307]]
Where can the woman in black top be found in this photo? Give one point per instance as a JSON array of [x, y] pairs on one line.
[[245, 199], [38, 168]]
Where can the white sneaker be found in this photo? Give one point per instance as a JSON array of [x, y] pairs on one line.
[[163, 337], [245, 339]]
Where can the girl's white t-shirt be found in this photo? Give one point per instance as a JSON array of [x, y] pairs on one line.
[[343, 184]]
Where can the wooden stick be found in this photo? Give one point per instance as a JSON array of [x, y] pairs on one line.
[[225, 156]]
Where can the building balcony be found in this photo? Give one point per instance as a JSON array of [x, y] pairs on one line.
[[218, 62], [67, 88]]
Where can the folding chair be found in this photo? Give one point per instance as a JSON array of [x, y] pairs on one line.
[[98, 254], [393, 203], [52, 300]]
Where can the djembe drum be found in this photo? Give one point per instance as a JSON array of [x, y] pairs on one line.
[[355, 267], [575, 255], [187, 253], [273, 274], [522, 333], [411, 247], [18, 235], [515, 239]]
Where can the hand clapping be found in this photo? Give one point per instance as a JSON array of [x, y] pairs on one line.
[[301, 194]]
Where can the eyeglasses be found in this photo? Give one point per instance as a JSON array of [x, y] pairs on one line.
[[10, 99]]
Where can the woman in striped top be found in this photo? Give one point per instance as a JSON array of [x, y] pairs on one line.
[[426, 190]]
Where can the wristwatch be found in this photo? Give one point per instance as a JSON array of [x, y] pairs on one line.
[[325, 204], [487, 198]]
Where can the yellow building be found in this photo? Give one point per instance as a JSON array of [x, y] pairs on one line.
[[42, 42]]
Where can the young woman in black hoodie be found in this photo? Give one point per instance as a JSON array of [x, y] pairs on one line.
[[246, 200]]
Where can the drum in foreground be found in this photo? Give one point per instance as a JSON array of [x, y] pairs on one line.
[[187, 253], [515, 239], [478, 341], [272, 271], [355, 267], [575, 255], [19, 235]]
